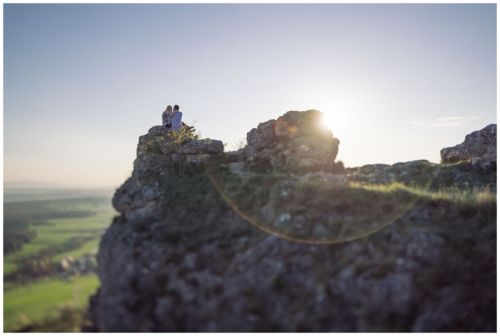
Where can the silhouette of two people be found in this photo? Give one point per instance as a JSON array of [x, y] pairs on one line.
[[172, 118]]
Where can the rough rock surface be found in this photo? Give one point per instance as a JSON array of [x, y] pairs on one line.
[[295, 142], [428, 175], [471, 164], [158, 154], [182, 257], [478, 146]]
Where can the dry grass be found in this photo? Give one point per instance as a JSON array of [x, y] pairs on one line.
[[456, 195]]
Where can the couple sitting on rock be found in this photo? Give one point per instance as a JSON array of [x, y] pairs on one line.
[[172, 119]]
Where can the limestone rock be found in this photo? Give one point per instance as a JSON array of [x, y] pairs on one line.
[[205, 146], [295, 124], [188, 254], [262, 136], [294, 143], [160, 153], [427, 175], [478, 146]]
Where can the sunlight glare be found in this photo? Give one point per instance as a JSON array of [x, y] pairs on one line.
[[336, 120]]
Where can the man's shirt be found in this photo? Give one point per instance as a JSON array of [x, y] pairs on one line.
[[177, 121]]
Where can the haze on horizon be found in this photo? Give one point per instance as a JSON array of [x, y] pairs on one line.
[[397, 82]]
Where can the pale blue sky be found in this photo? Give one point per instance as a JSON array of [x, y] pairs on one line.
[[83, 82]]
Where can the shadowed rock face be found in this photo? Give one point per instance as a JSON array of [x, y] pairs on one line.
[[478, 146], [295, 143], [183, 257], [160, 155]]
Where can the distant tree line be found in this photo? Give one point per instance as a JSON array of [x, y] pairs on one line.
[[67, 214], [18, 229], [41, 265]]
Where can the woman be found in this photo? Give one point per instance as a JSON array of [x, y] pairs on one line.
[[166, 117]]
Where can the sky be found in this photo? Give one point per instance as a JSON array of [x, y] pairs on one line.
[[396, 82]]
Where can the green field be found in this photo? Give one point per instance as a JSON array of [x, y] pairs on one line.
[[89, 247], [9, 266], [40, 300], [37, 302], [59, 233]]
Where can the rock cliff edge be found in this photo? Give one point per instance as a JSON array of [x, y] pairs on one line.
[[279, 236]]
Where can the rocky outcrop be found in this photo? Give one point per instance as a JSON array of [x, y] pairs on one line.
[[273, 238], [171, 145], [429, 176], [471, 164], [295, 142], [479, 146], [159, 154]]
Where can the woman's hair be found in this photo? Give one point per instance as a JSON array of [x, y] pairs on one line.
[[169, 108]]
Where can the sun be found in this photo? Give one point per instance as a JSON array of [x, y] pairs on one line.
[[339, 109], [335, 121], [327, 121]]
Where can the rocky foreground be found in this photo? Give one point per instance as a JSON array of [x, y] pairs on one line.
[[278, 236]]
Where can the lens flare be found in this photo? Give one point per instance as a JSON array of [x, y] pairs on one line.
[[312, 209]]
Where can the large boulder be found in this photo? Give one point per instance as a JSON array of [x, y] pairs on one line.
[[478, 146], [294, 124], [262, 136], [295, 143]]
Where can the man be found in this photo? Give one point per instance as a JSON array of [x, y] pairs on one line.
[[177, 119]]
